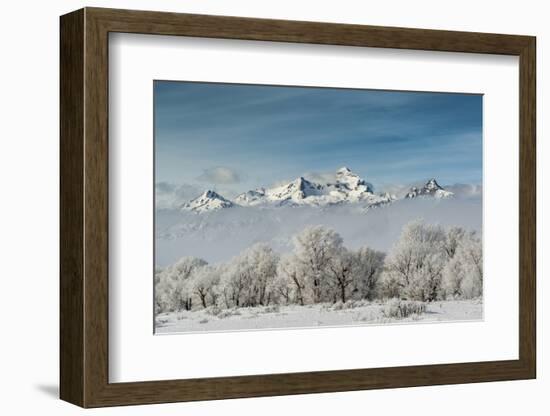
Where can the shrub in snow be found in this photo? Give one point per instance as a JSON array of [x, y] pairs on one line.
[[162, 321], [338, 306], [272, 309], [213, 310], [349, 304], [396, 308], [228, 312], [180, 316]]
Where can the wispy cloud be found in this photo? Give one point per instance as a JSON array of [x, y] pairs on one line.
[[219, 175], [171, 196]]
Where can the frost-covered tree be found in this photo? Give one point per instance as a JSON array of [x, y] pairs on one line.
[[471, 251], [453, 237], [159, 302], [390, 286], [263, 261], [426, 280], [369, 264], [415, 264], [234, 281], [172, 290], [290, 282], [247, 279], [463, 274], [314, 248], [282, 290], [204, 284], [453, 277], [342, 274]]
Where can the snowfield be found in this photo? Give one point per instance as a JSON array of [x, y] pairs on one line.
[[317, 315]]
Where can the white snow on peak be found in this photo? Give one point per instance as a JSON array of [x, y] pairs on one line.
[[431, 188], [354, 182], [347, 187], [296, 191], [433, 185], [344, 170], [251, 197], [206, 202]]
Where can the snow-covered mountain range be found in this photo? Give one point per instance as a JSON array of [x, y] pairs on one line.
[[347, 187]]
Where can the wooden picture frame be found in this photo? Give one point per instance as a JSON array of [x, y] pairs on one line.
[[84, 207]]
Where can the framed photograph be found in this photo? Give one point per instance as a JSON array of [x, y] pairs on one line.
[[255, 207]]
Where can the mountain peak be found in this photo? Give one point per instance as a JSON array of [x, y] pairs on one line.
[[344, 170], [431, 188], [352, 181], [207, 201], [304, 185], [211, 194], [432, 184]]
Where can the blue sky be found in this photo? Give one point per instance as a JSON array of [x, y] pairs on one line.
[[232, 137]]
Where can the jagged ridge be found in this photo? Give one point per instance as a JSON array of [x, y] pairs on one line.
[[346, 188], [432, 188]]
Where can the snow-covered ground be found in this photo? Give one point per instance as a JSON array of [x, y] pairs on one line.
[[294, 316]]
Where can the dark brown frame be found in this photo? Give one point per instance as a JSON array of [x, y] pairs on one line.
[[84, 209]]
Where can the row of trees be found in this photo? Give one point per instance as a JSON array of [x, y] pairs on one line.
[[430, 263], [427, 263]]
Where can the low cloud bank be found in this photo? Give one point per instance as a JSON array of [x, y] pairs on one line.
[[220, 235]]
